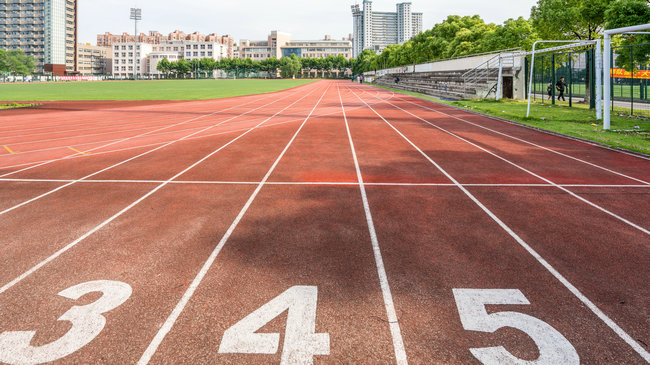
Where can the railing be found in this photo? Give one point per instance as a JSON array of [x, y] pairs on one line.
[[486, 75]]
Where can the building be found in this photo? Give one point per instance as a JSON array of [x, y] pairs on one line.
[[188, 50], [126, 60], [261, 50], [377, 30], [278, 45], [94, 60], [318, 49], [154, 37], [43, 29]]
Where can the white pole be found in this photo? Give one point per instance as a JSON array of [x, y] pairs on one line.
[[607, 67], [530, 79], [599, 81], [499, 79]]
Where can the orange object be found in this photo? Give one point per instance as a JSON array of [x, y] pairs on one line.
[[624, 74]]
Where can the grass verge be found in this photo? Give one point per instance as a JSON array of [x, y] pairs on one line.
[[16, 105], [143, 90], [627, 132]]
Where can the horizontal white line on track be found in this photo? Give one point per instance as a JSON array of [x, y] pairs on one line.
[[216, 182]]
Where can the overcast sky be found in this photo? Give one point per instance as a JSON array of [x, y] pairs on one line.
[[254, 19]]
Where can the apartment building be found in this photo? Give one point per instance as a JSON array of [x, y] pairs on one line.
[[376, 30], [128, 59], [153, 37], [94, 60], [280, 45], [43, 29], [188, 50]]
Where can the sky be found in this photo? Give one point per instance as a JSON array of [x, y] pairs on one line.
[[254, 19]]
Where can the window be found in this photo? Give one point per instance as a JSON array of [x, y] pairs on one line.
[[188, 54]]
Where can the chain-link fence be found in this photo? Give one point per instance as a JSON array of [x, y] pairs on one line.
[[630, 79]]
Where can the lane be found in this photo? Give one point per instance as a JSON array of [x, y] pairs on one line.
[[586, 158], [506, 157], [16, 272], [154, 247], [143, 161], [580, 306], [293, 236]]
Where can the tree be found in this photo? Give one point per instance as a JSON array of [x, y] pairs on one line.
[[181, 67], [569, 19], [290, 66], [164, 66], [16, 63], [624, 13]]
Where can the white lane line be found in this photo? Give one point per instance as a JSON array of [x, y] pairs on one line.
[[128, 138], [612, 214], [530, 143], [171, 320], [343, 183], [575, 291], [131, 159], [151, 192], [42, 162], [393, 320]]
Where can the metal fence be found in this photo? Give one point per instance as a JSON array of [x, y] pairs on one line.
[[630, 79], [577, 68]]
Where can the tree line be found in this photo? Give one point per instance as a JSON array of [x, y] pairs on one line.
[[15, 63], [287, 66], [460, 36]]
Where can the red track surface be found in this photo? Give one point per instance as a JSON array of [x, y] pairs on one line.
[[372, 209]]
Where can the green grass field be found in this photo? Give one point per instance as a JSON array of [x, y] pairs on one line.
[[143, 90], [577, 121]]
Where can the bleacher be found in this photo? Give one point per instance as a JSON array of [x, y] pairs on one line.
[[442, 84]]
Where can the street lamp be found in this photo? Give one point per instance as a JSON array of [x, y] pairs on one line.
[[136, 14]]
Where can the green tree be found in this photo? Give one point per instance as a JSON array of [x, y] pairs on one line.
[[569, 19], [164, 66], [290, 66], [16, 63], [625, 13]]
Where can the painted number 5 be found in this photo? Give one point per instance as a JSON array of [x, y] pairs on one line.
[[87, 322], [553, 347], [300, 341]]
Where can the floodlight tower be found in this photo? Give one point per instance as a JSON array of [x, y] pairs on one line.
[[136, 14]]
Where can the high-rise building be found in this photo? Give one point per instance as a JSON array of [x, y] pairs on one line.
[[376, 30], [43, 29]]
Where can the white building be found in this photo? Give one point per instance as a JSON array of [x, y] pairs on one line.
[[125, 60], [377, 30], [151, 54]]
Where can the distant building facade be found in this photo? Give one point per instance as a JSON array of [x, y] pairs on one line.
[[94, 60], [43, 29], [146, 57], [377, 30], [280, 45], [154, 37]]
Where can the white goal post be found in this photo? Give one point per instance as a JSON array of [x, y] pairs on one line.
[[608, 67], [574, 43]]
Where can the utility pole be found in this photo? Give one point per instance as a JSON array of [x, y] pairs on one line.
[[136, 14]]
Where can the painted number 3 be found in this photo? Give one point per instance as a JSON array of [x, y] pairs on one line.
[[553, 347], [87, 322]]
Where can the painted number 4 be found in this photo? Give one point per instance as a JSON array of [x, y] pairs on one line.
[[553, 347], [301, 344]]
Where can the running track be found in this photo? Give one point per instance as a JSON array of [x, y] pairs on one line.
[[333, 223]]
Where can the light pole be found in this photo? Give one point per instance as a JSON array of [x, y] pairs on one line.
[[136, 14]]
